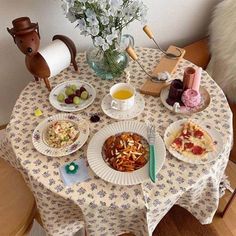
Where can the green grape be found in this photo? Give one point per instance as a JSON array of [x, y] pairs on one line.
[[69, 91], [76, 100], [60, 97], [84, 95], [73, 86]]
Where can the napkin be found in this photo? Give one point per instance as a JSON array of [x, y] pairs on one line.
[[80, 176]]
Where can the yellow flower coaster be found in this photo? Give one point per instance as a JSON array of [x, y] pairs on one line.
[[38, 112]]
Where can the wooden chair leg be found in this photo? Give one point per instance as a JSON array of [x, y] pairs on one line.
[[229, 203], [75, 65], [47, 83]]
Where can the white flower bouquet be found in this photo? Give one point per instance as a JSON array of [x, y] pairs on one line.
[[104, 20]]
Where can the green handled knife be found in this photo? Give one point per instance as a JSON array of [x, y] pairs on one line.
[[152, 153]]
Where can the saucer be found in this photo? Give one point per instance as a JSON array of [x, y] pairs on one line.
[[137, 108], [205, 101]]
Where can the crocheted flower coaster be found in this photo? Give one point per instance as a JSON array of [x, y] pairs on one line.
[[71, 168], [74, 172]]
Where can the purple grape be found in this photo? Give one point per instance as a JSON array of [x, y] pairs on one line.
[[94, 118], [71, 100], [82, 89], [68, 100], [78, 92], [72, 96]]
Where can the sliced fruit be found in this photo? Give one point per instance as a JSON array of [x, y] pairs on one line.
[[198, 134], [178, 142], [197, 150]]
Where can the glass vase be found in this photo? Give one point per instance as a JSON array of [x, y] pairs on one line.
[[111, 63]]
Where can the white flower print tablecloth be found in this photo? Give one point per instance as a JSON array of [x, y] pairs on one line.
[[101, 207]]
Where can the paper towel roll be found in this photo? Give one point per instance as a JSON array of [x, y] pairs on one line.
[[57, 56]]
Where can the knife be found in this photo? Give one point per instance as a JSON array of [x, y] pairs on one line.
[[152, 153]]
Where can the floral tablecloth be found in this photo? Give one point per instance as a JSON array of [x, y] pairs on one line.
[[101, 207]]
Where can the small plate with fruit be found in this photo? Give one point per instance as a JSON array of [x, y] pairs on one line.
[[73, 95]]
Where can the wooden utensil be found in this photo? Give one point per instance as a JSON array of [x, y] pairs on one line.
[[170, 55], [46, 62], [165, 64]]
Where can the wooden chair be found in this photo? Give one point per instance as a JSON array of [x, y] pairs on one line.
[[229, 203], [17, 203], [198, 53]]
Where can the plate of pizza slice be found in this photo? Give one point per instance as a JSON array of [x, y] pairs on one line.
[[193, 141]]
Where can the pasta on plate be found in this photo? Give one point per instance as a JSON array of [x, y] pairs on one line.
[[126, 151]]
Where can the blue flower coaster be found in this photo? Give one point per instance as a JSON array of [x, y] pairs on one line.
[[74, 172]]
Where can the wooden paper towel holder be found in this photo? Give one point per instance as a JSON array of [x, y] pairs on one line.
[[27, 38]]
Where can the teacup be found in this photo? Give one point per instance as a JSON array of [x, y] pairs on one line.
[[123, 95]]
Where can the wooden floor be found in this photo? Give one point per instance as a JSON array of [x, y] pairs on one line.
[[179, 222]]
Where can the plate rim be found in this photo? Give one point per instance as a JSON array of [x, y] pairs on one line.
[[119, 180], [59, 152], [185, 159], [179, 112], [75, 109], [120, 119]]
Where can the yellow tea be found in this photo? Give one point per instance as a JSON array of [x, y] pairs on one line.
[[122, 94]]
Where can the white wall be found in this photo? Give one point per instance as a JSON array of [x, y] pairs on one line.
[[173, 22]]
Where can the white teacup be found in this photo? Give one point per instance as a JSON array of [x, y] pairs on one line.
[[123, 95]]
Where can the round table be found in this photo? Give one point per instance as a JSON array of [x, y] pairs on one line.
[[101, 207]]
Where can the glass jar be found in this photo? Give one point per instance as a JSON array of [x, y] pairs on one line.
[[111, 63]]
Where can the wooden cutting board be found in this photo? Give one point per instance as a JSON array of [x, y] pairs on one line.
[[165, 64]]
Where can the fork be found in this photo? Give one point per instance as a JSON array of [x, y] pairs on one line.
[[152, 153]]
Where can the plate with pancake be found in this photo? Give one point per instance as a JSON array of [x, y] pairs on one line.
[[193, 141]]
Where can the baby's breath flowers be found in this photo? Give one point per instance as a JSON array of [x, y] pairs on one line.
[[104, 20]]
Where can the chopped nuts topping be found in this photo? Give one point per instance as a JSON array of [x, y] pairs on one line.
[[126, 151]]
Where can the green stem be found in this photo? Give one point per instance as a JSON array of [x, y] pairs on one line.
[[111, 63]]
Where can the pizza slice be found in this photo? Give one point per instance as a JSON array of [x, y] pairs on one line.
[[193, 141]]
